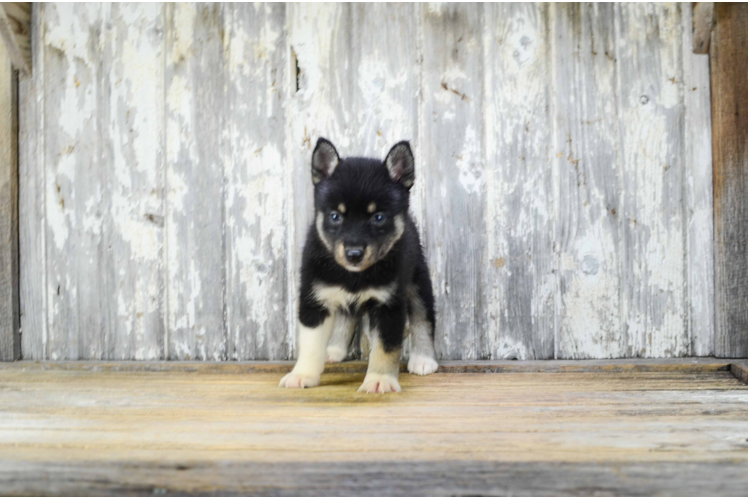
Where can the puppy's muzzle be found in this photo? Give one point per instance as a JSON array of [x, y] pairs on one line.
[[354, 255]]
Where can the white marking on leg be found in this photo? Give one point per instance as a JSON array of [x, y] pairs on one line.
[[384, 367], [422, 359], [312, 354], [342, 332]]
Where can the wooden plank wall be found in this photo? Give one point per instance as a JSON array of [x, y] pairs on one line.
[[563, 173]]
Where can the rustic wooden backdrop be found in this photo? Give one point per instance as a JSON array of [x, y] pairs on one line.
[[564, 175]]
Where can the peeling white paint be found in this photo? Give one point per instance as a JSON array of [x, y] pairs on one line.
[[539, 245]]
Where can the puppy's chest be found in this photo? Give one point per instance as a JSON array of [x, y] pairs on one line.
[[338, 297]]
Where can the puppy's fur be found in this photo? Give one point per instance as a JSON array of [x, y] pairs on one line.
[[363, 260]]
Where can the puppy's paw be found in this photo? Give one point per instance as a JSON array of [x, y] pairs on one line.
[[422, 365], [376, 383], [299, 381], [335, 354]]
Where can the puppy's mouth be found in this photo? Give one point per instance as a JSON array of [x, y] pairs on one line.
[[344, 257]]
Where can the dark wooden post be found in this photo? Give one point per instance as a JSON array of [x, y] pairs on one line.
[[729, 84]]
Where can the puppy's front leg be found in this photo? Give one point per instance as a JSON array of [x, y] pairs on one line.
[[386, 335], [312, 353]]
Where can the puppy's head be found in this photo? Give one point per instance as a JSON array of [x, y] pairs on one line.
[[361, 204]]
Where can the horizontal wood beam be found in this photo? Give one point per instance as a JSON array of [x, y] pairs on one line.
[[391, 478], [15, 30], [542, 366]]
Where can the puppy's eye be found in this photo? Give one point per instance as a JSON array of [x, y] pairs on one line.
[[378, 219], [335, 217]]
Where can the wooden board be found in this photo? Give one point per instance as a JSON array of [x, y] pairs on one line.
[[651, 114], [729, 77], [254, 151], [587, 160], [194, 261], [10, 340], [472, 433], [76, 284], [131, 109], [520, 265], [698, 193], [681, 365], [31, 201], [451, 142]]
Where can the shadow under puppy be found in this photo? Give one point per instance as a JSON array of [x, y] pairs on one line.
[[363, 259]]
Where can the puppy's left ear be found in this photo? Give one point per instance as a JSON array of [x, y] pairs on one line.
[[401, 165]]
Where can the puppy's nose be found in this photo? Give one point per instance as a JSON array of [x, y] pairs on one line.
[[354, 255]]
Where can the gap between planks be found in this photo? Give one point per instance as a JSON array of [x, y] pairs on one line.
[[739, 368]]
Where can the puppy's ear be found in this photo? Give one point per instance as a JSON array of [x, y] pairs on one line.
[[401, 164], [325, 160]]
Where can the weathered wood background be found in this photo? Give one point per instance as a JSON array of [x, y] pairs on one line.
[[564, 175]]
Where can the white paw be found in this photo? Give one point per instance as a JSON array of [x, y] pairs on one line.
[[335, 354], [422, 365], [376, 383], [299, 381]]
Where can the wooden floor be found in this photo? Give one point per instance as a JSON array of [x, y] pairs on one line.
[[534, 428]]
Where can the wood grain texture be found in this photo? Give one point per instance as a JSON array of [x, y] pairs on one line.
[[451, 140], [256, 76], [10, 341], [520, 267], [132, 127], [195, 98], [75, 243], [651, 113], [382, 478], [201, 432], [729, 83], [31, 200], [587, 163], [699, 207]]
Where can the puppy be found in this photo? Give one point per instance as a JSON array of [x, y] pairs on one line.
[[363, 259]]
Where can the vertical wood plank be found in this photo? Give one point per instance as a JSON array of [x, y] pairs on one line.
[[586, 160], [384, 63], [128, 207], [319, 104], [520, 258], [10, 344], [255, 163], [194, 182], [71, 143], [698, 191], [32, 220], [729, 84], [651, 112], [454, 179]]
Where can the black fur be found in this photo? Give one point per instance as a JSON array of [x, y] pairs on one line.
[[355, 183]]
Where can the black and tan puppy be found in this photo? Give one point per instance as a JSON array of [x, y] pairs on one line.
[[363, 259]]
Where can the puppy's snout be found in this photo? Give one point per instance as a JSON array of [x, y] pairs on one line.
[[354, 255]]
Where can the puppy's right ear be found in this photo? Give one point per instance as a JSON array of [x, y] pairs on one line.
[[325, 160]]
